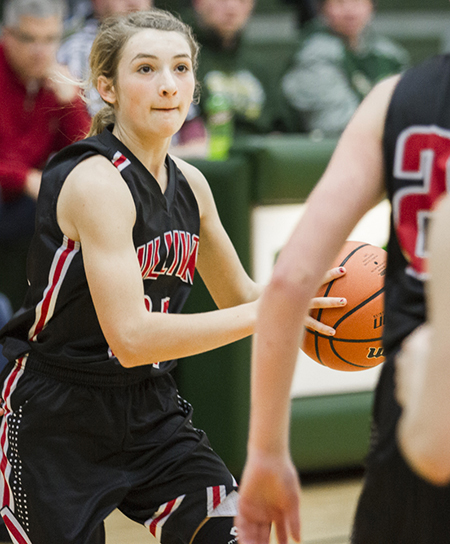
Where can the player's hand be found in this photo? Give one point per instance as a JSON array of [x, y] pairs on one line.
[[269, 492], [410, 364], [326, 302], [33, 183]]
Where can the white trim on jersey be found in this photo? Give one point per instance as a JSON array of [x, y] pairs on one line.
[[9, 386], [18, 535], [120, 161], [58, 270], [215, 496], [159, 518], [227, 508]]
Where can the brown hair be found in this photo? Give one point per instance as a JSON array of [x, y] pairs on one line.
[[112, 37]]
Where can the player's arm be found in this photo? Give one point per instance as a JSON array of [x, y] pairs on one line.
[[219, 264], [423, 369], [352, 184], [96, 208]]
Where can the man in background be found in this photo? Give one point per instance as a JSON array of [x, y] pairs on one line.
[[41, 113]]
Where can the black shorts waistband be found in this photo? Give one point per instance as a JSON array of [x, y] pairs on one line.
[[87, 375]]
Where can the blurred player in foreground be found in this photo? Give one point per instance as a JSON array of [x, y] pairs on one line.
[[397, 143], [423, 369]]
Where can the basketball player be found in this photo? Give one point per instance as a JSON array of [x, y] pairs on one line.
[[423, 372], [92, 417], [398, 143]]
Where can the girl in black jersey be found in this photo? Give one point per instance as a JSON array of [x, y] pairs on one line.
[[93, 421]]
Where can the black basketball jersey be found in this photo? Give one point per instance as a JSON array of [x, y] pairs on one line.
[[417, 169], [58, 320]]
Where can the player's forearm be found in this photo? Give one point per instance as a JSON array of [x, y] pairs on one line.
[[159, 337], [424, 436], [275, 352]]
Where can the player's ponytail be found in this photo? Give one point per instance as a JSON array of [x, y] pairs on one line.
[[102, 119], [112, 37]]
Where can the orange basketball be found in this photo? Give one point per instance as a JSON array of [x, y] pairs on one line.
[[359, 324]]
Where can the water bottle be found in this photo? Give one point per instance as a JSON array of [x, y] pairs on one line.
[[219, 124]]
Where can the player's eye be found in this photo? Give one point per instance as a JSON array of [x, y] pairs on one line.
[[182, 68], [145, 69]]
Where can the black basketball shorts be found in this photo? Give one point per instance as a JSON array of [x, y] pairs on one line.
[[71, 453], [396, 505]]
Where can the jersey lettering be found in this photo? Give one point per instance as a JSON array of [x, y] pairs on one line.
[[189, 251], [184, 256], [422, 155], [149, 259]]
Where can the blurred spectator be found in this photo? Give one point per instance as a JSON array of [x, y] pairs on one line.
[[5, 315], [339, 61], [78, 11], [306, 10], [228, 69], [74, 51], [41, 113]]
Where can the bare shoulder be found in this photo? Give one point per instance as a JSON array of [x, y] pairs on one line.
[[94, 173], [93, 192], [198, 183], [380, 96], [370, 116]]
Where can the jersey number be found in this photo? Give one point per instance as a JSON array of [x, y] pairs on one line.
[[422, 155]]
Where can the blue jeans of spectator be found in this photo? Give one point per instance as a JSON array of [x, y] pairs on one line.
[[5, 316], [16, 230], [17, 219]]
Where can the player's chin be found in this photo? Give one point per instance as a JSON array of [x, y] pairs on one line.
[[169, 124]]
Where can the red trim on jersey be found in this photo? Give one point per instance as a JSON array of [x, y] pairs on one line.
[[216, 496], [61, 261], [165, 513], [156, 523], [16, 530], [8, 389], [120, 161]]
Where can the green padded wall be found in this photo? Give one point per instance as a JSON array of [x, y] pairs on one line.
[[217, 383], [417, 5], [330, 431], [286, 166]]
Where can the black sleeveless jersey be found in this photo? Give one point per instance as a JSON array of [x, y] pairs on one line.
[[58, 322], [417, 169]]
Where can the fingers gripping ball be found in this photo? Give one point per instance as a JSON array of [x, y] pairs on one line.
[[357, 344]]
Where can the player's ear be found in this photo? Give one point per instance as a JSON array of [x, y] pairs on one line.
[[106, 90]]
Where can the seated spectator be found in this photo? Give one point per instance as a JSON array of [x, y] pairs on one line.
[[41, 113], [227, 69], [74, 51], [339, 61]]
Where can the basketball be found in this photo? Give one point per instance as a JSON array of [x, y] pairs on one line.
[[357, 344]]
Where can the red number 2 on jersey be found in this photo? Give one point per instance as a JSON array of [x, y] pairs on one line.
[[422, 155]]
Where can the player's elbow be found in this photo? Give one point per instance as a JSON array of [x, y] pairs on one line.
[[127, 346], [291, 285], [433, 463], [427, 454]]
